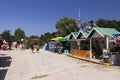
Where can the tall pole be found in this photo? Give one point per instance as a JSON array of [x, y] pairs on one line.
[[107, 42], [79, 20], [79, 46], [71, 47], [90, 48]]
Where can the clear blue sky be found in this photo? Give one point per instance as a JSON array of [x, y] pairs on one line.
[[37, 17]]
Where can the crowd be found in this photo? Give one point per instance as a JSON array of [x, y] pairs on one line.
[[19, 44], [4, 45]]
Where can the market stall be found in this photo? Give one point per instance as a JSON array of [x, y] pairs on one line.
[[100, 42], [115, 49], [78, 44]]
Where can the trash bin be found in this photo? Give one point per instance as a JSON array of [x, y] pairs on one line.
[[107, 65], [66, 51]]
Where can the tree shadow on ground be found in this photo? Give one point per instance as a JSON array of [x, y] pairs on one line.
[[5, 62], [3, 74]]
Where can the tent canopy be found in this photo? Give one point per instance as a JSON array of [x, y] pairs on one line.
[[115, 35], [57, 38]]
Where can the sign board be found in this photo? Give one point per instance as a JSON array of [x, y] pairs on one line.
[[106, 53]]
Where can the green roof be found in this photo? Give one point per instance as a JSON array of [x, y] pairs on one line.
[[74, 35], [106, 31], [67, 37], [85, 33], [82, 34]]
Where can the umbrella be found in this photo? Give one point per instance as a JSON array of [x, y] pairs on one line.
[[54, 39], [59, 38], [64, 39]]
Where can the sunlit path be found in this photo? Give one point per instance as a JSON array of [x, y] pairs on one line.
[[51, 66]]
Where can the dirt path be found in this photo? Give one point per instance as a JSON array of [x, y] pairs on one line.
[[24, 65]]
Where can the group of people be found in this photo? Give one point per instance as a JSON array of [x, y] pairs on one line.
[[34, 47], [19, 44], [4, 45], [54, 47]]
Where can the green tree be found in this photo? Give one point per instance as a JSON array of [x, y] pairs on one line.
[[26, 42], [6, 35], [102, 22], [19, 34], [33, 37], [65, 26], [13, 38], [108, 23], [46, 37], [42, 40]]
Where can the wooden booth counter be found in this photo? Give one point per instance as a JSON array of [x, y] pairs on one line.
[[81, 53]]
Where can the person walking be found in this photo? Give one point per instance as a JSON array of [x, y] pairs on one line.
[[37, 47], [32, 46]]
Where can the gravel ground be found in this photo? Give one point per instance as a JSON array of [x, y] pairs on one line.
[[45, 65]]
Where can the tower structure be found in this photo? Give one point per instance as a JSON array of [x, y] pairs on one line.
[[79, 20]]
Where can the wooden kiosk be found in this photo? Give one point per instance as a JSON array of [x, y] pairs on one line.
[[76, 39]]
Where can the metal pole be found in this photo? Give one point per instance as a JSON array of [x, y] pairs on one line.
[[71, 47], [79, 47], [90, 48], [107, 42]]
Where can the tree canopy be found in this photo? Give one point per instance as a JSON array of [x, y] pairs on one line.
[[19, 34], [65, 26], [108, 23], [6, 35]]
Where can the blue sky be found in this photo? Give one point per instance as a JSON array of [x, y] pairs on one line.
[[37, 17]]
